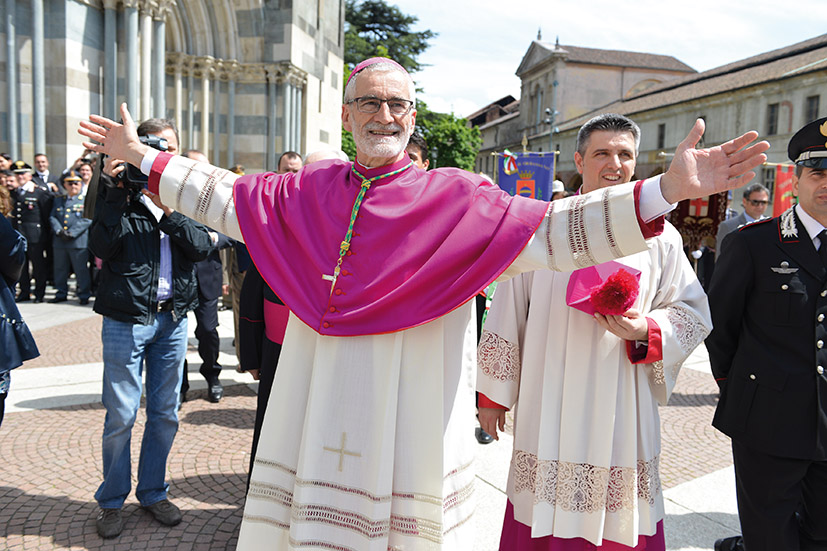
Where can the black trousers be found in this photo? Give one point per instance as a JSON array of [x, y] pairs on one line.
[[206, 331], [782, 501], [34, 254]]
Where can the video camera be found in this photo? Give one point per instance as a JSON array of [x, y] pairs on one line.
[[133, 179]]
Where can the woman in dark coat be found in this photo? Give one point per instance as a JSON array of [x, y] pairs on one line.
[[16, 342]]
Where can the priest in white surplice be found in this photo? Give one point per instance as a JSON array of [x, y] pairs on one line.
[[366, 444], [584, 469]]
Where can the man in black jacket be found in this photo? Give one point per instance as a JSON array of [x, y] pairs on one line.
[[147, 286], [209, 277], [767, 351]]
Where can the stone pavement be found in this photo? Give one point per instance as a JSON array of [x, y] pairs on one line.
[[50, 453]]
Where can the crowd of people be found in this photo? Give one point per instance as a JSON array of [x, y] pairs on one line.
[[47, 209], [353, 313]]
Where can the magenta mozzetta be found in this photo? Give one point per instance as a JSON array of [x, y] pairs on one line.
[[406, 258]]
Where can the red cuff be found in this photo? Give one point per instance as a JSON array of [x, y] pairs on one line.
[[484, 402], [654, 346], [649, 230], [158, 166]]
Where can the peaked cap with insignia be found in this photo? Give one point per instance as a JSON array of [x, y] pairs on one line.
[[19, 167], [809, 145]]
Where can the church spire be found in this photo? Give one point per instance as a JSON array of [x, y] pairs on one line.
[[539, 34]]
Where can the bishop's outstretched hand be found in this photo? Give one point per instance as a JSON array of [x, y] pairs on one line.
[[697, 173], [118, 140]]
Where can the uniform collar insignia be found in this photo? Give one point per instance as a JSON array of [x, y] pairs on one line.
[[789, 229], [784, 268]]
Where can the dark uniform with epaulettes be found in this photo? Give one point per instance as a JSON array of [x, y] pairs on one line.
[[70, 242], [31, 219], [768, 352]]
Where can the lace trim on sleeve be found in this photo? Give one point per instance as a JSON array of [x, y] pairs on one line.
[[688, 328], [498, 358]]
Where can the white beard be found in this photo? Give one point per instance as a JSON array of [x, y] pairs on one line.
[[381, 146]]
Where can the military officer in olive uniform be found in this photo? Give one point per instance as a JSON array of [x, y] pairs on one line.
[[767, 350], [71, 237], [33, 204]]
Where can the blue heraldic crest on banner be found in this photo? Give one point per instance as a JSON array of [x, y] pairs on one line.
[[528, 174]]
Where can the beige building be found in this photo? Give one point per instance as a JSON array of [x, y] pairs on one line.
[[245, 80], [567, 81], [775, 93]]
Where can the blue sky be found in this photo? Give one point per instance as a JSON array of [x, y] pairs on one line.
[[481, 42]]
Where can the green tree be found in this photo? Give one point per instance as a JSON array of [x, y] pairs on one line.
[[375, 29], [449, 138]]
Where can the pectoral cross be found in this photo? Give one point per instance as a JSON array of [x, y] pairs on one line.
[[342, 451], [332, 278]]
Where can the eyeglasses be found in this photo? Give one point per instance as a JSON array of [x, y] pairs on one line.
[[72, 183], [758, 202], [370, 105]]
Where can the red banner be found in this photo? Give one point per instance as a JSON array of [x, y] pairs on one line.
[[697, 220], [783, 189]]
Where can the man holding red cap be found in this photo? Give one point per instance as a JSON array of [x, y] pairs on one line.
[[368, 422], [587, 385]]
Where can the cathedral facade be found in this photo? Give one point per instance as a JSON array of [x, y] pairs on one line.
[[244, 80]]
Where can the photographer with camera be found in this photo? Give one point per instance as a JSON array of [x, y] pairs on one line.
[[147, 286]]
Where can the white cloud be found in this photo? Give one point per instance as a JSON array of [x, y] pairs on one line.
[[481, 42]]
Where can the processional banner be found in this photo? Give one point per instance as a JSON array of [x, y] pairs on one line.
[[697, 219], [528, 174], [783, 196]]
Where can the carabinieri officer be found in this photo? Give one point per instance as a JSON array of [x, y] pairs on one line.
[[769, 306]]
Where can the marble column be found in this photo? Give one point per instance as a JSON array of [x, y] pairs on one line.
[[287, 141], [38, 79], [159, 61], [11, 80], [146, 63], [206, 71], [298, 110], [273, 76], [179, 92], [232, 75], [110, 64], [130, 14], [216, 127], [190, 108]]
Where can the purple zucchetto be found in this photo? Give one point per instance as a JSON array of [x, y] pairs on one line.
[[372, 61]]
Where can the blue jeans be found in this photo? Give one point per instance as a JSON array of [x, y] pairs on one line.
[[161, 346]]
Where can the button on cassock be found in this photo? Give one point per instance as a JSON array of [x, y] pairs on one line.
[[820, 318], [785, 287], [824, 293], [752, 376], [820, 370], [819, 343]]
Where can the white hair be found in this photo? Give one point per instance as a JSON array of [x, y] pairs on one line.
[[350, 89]]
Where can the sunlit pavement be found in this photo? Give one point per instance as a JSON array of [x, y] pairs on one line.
[[51, 466]]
